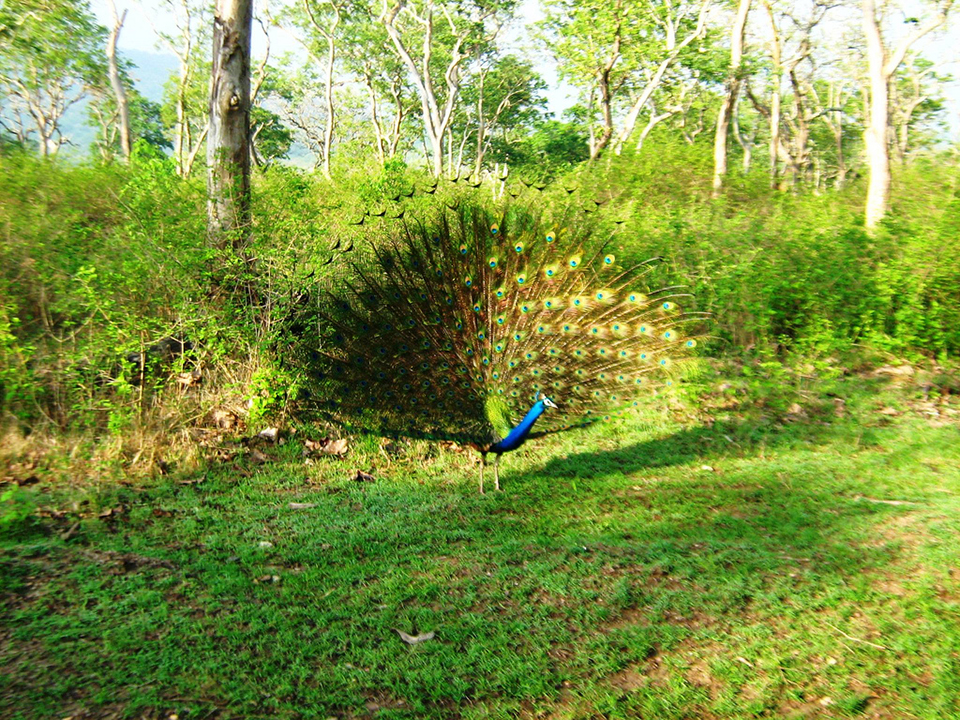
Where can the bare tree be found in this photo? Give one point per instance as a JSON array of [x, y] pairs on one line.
[[189, 132], [746, 141], [776, 55], [328, 30], [670, 20], [55, 61], [468, 27], [883, 63], [730, 99], [832, 113], [116, 82], [907, 97]]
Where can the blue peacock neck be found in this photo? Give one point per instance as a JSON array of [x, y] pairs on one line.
[[516, 437]]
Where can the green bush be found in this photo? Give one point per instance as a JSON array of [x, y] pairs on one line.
[[97, 262]]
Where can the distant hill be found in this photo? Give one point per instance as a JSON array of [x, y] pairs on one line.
[[151, 72]]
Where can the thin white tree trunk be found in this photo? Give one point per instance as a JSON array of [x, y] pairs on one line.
[[120, 93], [882, 66], [733, 90]]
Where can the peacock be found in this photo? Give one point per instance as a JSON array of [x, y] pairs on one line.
[[488, 322]]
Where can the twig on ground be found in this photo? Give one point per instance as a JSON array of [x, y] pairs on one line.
[[850, 637], [885, 502]]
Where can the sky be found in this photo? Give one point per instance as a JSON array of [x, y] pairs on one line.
[[139, 34]]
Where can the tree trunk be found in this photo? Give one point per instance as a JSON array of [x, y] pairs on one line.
[[328, 96], [775, 56], [882, 66], [733, 90], [228, 139], [875, 133], [673, 50], [123, 108], [375, 120]]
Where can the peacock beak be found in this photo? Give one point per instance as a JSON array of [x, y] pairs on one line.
[[548, 402]]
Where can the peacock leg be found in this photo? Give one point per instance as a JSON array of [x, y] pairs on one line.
[[496, 472], [483, 462]]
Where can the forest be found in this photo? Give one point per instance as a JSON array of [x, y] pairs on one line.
[[266, 324]]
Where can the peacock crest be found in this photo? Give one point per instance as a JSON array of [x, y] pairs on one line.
[[450, 321]]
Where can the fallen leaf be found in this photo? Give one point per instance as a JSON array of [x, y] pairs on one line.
[[225, 419], [189, 379], [335, 447], [901, 371], [160, 512], [892, 412], [270, 434], [301, 506], [265, 544], [363, 477], [70, 532], [257, 457], [414, 639]]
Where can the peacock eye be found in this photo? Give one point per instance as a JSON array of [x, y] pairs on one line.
[[494, 229], [518, 247], [551, 236], [463, 249], [492, 262], [609, 259]]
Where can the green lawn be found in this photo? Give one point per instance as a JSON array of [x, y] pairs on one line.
[[742, 562]]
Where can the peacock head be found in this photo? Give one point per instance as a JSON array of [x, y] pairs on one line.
[[547, 402]]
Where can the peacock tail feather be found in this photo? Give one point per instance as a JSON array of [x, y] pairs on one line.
[[448, 323]]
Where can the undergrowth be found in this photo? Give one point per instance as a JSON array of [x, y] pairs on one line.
[[99, 265]]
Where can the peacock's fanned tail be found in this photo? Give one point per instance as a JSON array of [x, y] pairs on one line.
[[447, 324]]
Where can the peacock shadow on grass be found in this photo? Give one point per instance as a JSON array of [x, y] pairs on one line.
[[687, 445], [743, 494]]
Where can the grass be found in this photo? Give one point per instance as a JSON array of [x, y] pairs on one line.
[[743, 563]]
